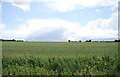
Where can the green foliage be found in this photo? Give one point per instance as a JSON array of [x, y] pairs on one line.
[[59, 49], [60, 66], [59, 58]]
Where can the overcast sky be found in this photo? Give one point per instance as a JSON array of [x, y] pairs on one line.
[[59, 20]]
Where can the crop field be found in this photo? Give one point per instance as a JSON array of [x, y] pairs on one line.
[[60, 58]]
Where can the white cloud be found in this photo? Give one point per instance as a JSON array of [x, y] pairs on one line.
[[68, 5], [23, 4], [62, 30], [97, 10], [43, 29], [0, 4], [100, 29], [109, 3], [2, 27]]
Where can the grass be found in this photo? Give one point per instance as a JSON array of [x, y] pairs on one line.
[[60, 58], [58, 49]]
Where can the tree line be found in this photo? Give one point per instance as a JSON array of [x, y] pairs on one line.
[[11, 40], [95, 41]]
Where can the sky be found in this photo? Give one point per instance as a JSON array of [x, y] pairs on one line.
[[59, 20]]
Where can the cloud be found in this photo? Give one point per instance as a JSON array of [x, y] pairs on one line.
[[62, 30], [67, 5], [70, 5], [2, 27], [0, 4], [97, 10], [43, 30], [23, 4], [100, 29]]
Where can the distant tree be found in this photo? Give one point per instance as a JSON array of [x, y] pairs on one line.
[[88, 40], [117, 40], [13, 40], [8, 40], [80, 41], [19, 41], [68, 40]]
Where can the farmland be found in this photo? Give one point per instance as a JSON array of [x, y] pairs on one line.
[[59, 58]]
